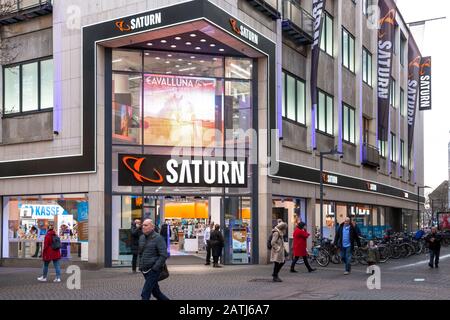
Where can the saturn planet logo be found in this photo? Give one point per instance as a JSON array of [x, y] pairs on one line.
[[136, 170]]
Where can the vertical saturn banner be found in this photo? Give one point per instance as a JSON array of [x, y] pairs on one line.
[[318, 7]]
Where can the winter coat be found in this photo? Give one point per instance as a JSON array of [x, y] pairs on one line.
[[50, 254], [373, 255], [340, 237], [152, 252], [166, 234], [277, 253], [299, 246], [217, 243], [135, 235], [436, 244]]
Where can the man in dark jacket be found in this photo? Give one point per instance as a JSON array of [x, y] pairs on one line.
[[434, 243], [136, 232], [153, 255], [345, 239]]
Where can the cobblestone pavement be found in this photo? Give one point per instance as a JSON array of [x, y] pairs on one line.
[[400, 279]]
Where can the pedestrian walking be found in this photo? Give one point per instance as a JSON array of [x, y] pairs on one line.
[[373, 255], [217, 243], [345, 240], [51, 252], [153, 255], [299, 247], [434, 244], [278, 252], [166, 233], [136, 232], [207, 242]]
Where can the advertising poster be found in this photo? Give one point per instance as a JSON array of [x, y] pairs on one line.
[[239, 240], [444, 222], [179, 110], [83, 219], [125, 242]]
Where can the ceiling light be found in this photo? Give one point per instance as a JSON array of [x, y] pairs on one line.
[[187, 69], [193, 35], [202, 61], [147, 54], [177, 38], [163, 41], [221, 50], [192, 57], [240, 69], [188, 43], [169, 55], [202, 40], [157, 58], [149, 44], [173, 46], [134, 78], [180, 59], [168, 72], [177, 66], [189, 63], [198, 48], [116, 61], [212, 45], [215, 59], [167, 62]]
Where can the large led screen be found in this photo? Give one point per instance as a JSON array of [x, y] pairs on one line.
[[179, 110]]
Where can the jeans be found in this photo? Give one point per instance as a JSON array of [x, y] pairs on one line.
[[346, 255], [57, 268], [151, 286], [434, 255], [208, 252], [276, 268], [305, 260]]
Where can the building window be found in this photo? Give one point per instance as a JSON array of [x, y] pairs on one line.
[[366, 130], [382, 148], [365, 7], [392, 93], [402, 154], [402, 102], [326, 42], [402, 49], [393, 148], [28, 87], [294, 98], [367, 67], [348, 123], [348, 50], [324, 118]]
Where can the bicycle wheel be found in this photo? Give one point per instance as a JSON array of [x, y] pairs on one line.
[[336, 258], [396, 252], [385, 254], [323, 258]]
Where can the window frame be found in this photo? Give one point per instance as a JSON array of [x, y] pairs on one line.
[[324, 32], [350, 109], [392, 93], [403, 42], [367, 68], [327, 97], [382, 148], [402, 153], [297, 79], [394, 149], [351, 39], [39, 87], [402, 102], [365, 7]]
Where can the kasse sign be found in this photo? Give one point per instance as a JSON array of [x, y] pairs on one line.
[[164, 171]]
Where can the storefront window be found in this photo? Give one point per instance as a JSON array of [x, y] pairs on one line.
[[238, 68], [26, 220], [290, 210]]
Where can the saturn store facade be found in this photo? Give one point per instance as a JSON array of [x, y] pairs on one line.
[[168, 98]]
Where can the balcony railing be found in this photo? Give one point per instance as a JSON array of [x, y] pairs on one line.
[[13, 11], [269, 8], [297, 23], [371, 156]]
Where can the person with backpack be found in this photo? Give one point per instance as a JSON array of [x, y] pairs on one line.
[[51, 252], [277, 251]]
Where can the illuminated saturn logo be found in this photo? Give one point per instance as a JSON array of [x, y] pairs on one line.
[[136, 170]]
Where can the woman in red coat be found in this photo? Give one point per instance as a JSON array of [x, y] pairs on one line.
[[299, 247], [49, 254]]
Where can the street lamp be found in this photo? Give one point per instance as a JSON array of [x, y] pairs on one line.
[[418, 204], [331, 152]]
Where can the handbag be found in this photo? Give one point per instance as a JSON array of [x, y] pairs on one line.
[[164, 273]]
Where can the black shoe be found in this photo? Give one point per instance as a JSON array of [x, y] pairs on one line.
[[294, 271], [312, 270], [34, 256], [436, 266], [208, 264], [430, 265], [276, 279]]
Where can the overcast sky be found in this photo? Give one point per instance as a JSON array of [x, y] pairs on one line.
[[436, 44]]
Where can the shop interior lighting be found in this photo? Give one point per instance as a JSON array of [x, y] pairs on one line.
[[163, 41], [150, 44], [202, 40], [188, 69], [188, 43], [180, 59], [157, 58], [198, 48], [135, 78], [193, 35], [177, 38], [117, 61], [212, 45], [169, 55], [221, 50], [240, 69], [167, 62], [173, 46], [192, 57]]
